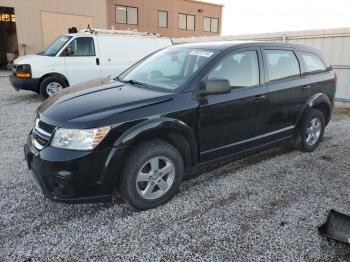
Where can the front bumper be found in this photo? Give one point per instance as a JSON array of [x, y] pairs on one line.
[[24, 83], [69, 176]]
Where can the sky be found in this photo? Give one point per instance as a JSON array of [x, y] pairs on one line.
[[265, 16]]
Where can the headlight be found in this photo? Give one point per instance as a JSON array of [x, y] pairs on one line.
[[23, 71], [79, 139]]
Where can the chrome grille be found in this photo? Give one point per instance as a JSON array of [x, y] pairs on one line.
[[41, 134], [46, 127]]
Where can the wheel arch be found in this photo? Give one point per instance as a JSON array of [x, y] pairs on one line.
[[318, 101], [173, 131], [53, 74]]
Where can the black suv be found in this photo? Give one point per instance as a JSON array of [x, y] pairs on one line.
[[178, 109]]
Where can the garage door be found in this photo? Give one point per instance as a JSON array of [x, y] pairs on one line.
[[55, 24]]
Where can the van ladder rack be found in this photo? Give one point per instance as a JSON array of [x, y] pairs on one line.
[[118, 32]]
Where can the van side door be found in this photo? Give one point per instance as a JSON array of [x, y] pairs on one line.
[[288, 91], [81, 60], [228, 123]]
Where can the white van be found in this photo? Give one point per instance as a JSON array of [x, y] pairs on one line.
[[80, 57]]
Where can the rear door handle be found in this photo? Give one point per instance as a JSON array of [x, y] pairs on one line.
[[97, 61], [259, 97], [306, 87]]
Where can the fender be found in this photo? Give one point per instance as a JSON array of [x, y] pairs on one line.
[[157, 126], [314, 101]]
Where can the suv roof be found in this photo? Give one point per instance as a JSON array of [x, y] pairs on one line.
[[222, 45]]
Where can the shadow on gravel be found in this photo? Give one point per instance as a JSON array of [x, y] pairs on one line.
[[24, 97], [234, 163]]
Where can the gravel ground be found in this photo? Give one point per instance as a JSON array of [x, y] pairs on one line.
[[261, 208]]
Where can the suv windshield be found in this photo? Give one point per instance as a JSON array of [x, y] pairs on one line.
[[168, 69], [56, 46]]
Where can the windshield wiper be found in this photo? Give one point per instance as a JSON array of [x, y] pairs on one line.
[[133, 82]]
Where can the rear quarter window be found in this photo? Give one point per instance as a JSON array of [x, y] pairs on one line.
[[312, 63]]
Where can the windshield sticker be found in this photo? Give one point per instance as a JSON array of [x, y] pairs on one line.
[[201, 53]]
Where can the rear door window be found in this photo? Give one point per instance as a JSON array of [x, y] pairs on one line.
[[281, 64], [313, 63]]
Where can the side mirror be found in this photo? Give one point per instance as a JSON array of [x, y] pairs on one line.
[[216, 87]]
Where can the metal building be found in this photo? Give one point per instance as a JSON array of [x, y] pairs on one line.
[[335, 44]]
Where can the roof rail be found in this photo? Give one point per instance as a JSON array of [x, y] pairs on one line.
[[117, 32]]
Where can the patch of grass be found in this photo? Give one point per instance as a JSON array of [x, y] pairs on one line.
[[342, 111]]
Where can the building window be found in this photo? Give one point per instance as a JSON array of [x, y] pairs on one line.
[[211, 24], [126, 15], [162, 19], [187, 22]]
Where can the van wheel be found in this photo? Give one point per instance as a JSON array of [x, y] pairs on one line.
[[312, 130], [51, 85], [152, 175]]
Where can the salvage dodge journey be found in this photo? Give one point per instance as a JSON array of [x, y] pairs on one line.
[[174, 111]]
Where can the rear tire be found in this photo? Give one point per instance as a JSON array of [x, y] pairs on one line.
[[51, 85], [152, 175], [312, 130]]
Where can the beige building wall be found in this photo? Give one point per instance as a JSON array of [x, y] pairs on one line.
[[148, 16], [29, 18], [54, 24]]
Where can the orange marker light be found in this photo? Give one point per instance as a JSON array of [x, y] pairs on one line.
[[23, 75]]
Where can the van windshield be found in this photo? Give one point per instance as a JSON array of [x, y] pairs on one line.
[[168, 69], [56, 46]]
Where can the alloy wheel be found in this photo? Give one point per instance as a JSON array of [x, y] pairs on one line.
[[313, 132], [155, 177]]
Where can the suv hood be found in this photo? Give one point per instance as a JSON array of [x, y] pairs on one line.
[[96, 103]]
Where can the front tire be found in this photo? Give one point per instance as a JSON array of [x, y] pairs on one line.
[[312, 130], [51, 85], [152, 175]]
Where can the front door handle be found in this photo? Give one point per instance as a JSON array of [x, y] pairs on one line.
[[306, 87], [97, 61], [259, 97]]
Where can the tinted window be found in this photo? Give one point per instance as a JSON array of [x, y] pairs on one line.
[[81, 46], [312, 63], [241, 69], [281, 64]]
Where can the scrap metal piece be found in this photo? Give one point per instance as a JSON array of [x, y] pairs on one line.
[[336, 227]]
